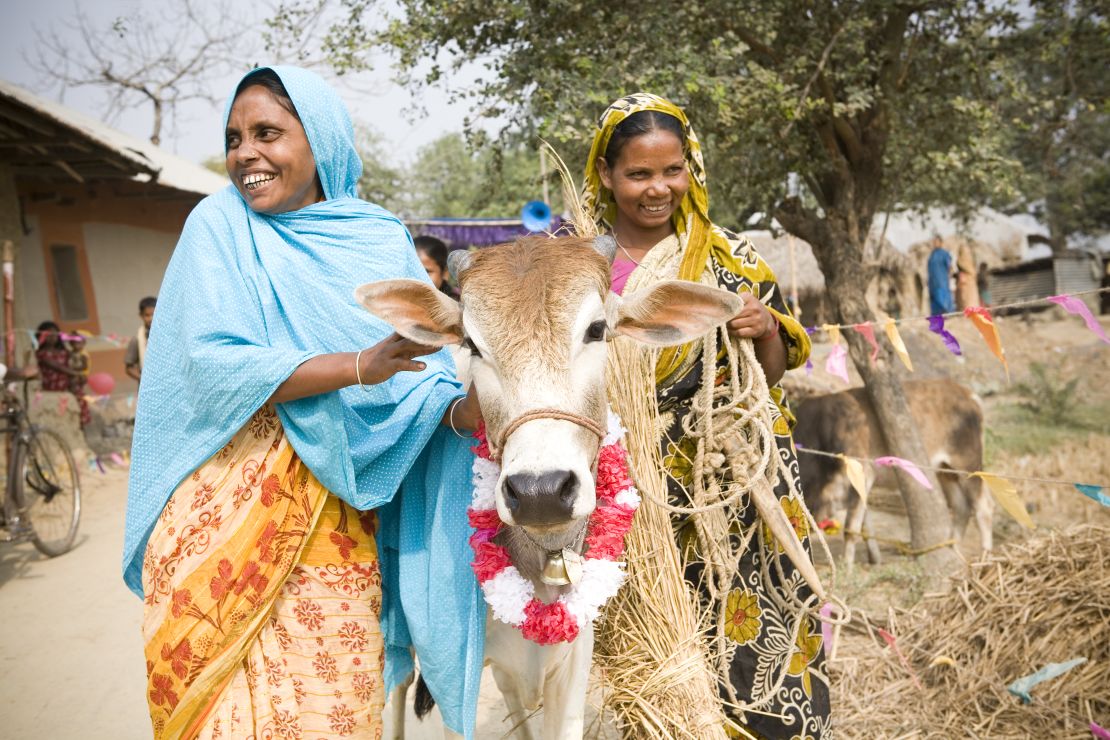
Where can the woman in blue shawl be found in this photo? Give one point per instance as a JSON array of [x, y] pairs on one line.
[[296, 513]]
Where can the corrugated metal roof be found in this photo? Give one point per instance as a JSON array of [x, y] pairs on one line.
[[47, 140], [1076, 273]]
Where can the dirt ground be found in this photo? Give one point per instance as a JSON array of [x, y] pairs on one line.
[[70, 647]]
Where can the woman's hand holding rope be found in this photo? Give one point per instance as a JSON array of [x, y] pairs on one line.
[[756, 322]]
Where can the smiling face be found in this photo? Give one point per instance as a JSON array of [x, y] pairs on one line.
[[648, 182], [268, 156]]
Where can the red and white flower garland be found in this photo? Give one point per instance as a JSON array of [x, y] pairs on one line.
[[512, 597]]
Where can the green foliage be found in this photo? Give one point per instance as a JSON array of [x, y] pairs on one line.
[[1046, 396], [382, 182], [1034, 424], [1059, 111], [450, 179], [875, 104], [874, 588]]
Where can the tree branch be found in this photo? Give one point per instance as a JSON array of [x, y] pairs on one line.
[[849, 141]]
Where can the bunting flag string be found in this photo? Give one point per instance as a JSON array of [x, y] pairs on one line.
[[981, 318], [1071, 306], [998, 483]]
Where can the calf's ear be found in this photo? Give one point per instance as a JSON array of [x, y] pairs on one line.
[[674, 312], [415, 309]]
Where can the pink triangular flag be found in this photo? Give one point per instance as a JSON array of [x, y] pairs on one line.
[[826, 628], [909, 467], [1073, 305], [868, 333], [837, 362]]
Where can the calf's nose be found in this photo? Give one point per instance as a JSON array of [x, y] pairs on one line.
[[541, 499]]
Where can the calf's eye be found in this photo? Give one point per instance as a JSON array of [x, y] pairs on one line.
[[595, 332]]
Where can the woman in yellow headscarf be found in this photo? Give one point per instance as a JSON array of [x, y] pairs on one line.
[[645, 184]]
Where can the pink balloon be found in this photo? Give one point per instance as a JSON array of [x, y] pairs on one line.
[[101, 383]]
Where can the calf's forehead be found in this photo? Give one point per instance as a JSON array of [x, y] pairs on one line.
[[525, 297]]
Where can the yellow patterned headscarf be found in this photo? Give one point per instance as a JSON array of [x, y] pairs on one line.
[[692, 213]]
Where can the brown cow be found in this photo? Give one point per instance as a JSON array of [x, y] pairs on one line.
[[949, 418]]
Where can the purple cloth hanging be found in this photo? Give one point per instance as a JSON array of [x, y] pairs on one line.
[[463, 233]]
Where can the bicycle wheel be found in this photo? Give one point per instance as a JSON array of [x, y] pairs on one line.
[[51, 492]]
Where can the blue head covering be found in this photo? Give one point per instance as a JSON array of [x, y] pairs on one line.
[[248, 297]]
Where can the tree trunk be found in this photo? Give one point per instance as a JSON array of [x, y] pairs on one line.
[[1057, 237]]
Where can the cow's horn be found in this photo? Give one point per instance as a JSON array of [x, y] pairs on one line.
[[606, 246], [770, 511], [457, 263]]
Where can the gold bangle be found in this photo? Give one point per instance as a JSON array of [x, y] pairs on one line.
[[358, 373]]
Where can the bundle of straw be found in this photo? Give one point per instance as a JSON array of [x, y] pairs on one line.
[[1046, 600], [649, 646]]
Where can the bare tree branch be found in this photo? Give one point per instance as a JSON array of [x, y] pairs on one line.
[[178, 55]]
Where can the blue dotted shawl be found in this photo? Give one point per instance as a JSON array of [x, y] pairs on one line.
[[248, 297]]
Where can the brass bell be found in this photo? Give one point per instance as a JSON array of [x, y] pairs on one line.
[[562, 568], [555, 570]]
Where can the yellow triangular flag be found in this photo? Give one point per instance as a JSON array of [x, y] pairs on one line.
[[855, 476], [895, 338], [833, 331], [1007, 497]]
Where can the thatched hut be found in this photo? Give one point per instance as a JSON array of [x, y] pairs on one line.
[[896, 287]]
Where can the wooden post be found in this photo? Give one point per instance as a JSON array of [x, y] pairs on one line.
[[8, 256], [543, 176], [9, 303], [795, 306]]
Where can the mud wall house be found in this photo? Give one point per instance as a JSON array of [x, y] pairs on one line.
[[94, 214]]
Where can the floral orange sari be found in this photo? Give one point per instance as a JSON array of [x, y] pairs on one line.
[[262, 601]]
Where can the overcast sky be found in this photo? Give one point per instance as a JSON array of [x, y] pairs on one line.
[[196, 135]]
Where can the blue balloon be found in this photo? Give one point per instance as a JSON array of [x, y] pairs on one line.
[[536, 216]]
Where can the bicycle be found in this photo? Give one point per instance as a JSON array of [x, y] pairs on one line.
[[42, 498]]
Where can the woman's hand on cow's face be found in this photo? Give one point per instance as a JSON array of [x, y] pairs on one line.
[[392, 355], [754, 320]]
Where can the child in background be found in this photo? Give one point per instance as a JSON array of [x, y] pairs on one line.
[[55, 357], [78, 362]]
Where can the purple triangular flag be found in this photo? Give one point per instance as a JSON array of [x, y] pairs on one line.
[[936, 325]]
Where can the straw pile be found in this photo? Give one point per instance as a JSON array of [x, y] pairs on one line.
[[1046, 600], [648, 647]]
